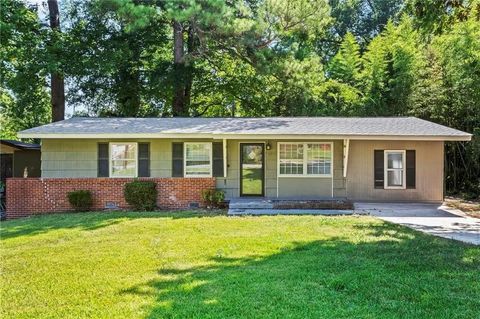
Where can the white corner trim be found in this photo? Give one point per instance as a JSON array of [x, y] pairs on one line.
[[346, 149], [225, 162], [332, 163]]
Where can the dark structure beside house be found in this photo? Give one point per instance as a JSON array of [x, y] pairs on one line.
[[19, 159]]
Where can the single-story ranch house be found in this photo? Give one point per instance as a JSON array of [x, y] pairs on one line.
[[361, 159]]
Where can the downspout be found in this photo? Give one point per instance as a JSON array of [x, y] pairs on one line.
[[346, 149], [225, 159]]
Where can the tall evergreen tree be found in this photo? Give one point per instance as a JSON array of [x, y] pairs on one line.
[[57, 83]]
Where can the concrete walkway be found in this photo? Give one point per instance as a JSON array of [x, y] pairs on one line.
[[428, 218]]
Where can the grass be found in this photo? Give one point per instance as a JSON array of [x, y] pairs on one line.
[[252, 181], [190, 265]]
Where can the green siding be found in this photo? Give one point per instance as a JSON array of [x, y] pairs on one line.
[[316, 186], [69, 158], [287, 186], [305, 186], [339, 182], [78, 158]]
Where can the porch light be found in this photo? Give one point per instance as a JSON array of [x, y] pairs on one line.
[[268, 146]]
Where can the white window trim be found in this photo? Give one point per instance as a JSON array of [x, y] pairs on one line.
[[305, 160], [110, 159], [386, 169], [185, 159]]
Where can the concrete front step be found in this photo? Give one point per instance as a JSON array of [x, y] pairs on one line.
[[256, 204], [259, 212], [291, 203]]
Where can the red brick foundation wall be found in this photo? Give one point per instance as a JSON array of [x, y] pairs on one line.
[[33, 196]]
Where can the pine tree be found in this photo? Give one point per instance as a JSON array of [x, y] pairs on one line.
[[346, 64]]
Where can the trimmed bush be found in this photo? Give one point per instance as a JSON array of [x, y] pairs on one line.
[[80, 200], [213, 197], [141, 195]]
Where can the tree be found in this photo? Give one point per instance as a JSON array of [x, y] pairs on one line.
[[364, 19], [23, 95], [189, 21], [211, 39], [435, 17], [429, 97], [346, 65], [121, 67], [458, 54], [57, 84], [390, 64]]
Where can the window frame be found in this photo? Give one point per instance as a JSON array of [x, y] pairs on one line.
[[305, 160], [386, 169], [110, 167], [185, 159]]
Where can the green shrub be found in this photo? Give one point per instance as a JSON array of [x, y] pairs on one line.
[[80, 200], [141, 195], [218, 197], [213, 197]]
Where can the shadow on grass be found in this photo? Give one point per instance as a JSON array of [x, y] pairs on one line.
[[406, 275], [35, 225]]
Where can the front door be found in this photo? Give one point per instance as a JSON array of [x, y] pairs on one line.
[[252, 169]]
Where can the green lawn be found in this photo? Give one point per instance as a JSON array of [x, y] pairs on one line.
[[182, 265]]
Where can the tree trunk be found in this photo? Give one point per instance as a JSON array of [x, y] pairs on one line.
[[57, 84], [58, 97], [179, 103], [188, 70]]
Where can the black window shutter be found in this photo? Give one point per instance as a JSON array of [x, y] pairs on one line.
[[217, 161], [379, 169], [102, 160], [410, 161], [177, 159], [143, 159]]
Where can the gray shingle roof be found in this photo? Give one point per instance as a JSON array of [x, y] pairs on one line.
[[217, 127]]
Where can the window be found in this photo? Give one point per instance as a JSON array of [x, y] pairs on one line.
[[305, 159], [395, 169], [198, 159], [123, 159], [291, 159]]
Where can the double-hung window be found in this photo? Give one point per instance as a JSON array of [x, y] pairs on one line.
[[198, 159], [305, 159], [394, 169], [123, 159]]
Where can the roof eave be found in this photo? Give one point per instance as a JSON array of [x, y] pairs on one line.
[[25, 134]]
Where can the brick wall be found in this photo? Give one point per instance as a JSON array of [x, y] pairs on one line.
[[32, 196]]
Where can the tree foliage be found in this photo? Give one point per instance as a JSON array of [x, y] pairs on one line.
[[24, 99]]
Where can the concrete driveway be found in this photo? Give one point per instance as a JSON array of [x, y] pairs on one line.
[[428, 218]]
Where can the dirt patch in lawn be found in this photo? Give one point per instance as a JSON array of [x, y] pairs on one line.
[[469, 207]]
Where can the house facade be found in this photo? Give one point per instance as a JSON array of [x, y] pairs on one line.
[[361, 159]]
